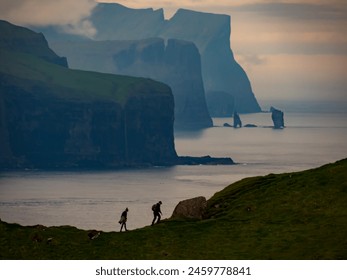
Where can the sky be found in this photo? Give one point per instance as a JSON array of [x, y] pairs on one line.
[[290, 49]]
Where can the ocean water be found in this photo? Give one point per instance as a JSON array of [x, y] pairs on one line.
[[95, 199]]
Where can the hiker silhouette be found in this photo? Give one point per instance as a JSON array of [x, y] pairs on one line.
[[156, 212], [123, 219]]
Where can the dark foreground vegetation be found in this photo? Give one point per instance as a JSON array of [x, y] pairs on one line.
[[300, 215]]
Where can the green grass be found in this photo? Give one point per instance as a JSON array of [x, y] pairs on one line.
[[74, 84], [299, 215]]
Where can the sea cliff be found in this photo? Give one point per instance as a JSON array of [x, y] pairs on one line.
[[55, 117], [175, 63], [209, 32], [222, 78]]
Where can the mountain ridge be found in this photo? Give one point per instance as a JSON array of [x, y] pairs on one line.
[[209, 32]]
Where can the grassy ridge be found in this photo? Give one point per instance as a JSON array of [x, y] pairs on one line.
[[84, 85], [299, 215]]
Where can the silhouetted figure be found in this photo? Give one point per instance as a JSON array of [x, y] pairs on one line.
[[156, 212], [123, 219], [237, 120]]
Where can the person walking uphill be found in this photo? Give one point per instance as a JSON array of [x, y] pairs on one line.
[[123, 219], [156, 212]]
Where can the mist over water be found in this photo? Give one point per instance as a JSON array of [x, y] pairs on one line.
[[95, 200]]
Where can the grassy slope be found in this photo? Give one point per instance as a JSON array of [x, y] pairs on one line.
[[287, 216], [85, 85]]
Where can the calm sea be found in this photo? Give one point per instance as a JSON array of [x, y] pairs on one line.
[[95, 200]]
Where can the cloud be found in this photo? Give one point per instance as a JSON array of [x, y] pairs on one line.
[[313, 77], [287, 28], [251, 59], [326, 9], [71, 15], [290, 48], [296, 11], [170, 7]]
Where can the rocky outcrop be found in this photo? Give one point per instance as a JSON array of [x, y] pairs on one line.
[[204, 160], [277, 118], [176, 63], [237, 120], [193, 208], [250, 125]]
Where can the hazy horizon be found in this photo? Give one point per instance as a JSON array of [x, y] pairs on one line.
[[290, 50]]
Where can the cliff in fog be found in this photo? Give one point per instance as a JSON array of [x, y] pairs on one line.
[[221, 72], [175, 62], [209, 32], [223, 79], [55, 117]]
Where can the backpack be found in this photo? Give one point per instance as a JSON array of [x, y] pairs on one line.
[[154, 206]]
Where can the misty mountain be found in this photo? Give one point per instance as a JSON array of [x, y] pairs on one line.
[[175, 62], [209, 32]]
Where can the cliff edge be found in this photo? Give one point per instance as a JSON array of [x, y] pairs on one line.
[[174, 62], [209, 32], [55, 117], [52, 117], [223, 80]]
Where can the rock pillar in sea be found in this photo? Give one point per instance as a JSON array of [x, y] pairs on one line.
[[237, 120], [277, 118]]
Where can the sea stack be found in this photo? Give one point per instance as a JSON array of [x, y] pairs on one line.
[[237, 120], [277, 118]]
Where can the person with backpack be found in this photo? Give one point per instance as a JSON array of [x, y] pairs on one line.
[[156, 212], [123, 220]]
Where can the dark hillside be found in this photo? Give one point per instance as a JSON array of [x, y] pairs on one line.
[[55, 117], [300, 215], [21, 39]]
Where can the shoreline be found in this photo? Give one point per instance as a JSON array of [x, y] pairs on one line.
[[180, 160]]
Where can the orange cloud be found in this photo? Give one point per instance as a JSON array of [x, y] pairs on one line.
[[72, 13]]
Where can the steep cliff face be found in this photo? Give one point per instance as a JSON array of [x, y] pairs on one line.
[[182, 59], [209, 32], [54, 117], [49, 132], [221, 72], [148, 127], [176, 63], [125, 23]]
